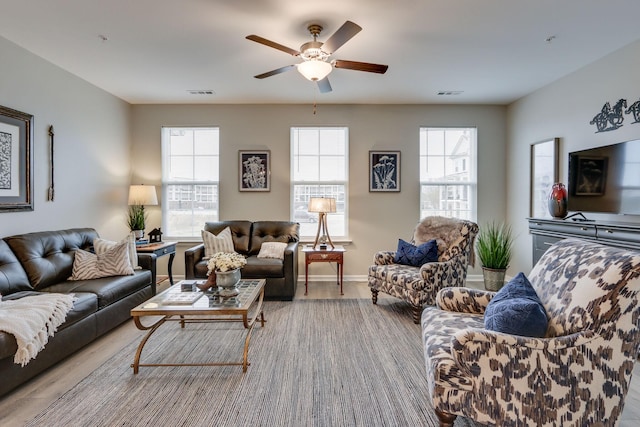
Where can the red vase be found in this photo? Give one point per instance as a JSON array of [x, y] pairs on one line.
[[558, 200]]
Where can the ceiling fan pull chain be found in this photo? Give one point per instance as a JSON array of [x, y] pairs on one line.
[[315, 97]]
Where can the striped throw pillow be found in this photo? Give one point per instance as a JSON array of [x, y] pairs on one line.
[[113, 262], [223, 242], [100, 246]]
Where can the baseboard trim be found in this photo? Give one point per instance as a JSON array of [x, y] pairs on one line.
[[476, 278]]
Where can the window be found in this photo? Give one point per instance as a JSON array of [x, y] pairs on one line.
[[190, 179], [448, 172], [319, 164]]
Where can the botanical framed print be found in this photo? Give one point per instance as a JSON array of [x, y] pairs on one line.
[[16, 160], [254, 170], [384, 171], [544, 173]]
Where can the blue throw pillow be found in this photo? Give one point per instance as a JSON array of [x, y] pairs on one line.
[[516, 309], [415, 256]]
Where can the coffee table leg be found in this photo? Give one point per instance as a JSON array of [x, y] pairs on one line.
[[136, 361], [245, 354]]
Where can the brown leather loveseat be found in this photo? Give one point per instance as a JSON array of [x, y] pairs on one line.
[[42, 262], [248, 236]]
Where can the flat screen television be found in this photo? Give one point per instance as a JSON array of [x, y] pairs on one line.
[[605, 179]]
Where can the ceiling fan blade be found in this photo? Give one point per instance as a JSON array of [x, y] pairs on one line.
[[340, 37], [361, 66], [324, 86], [274, 45], [274, 72]]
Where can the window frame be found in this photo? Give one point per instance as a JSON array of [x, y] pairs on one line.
[[166, 183], [449, 186], [342, 205]]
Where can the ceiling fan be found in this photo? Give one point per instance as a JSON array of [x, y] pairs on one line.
[[316, 65]]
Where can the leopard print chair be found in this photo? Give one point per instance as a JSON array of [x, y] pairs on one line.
[[419, 285], [577, 375]]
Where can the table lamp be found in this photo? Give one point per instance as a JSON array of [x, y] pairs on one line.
[[323, 206]]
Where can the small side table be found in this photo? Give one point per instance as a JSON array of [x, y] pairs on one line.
[[161, 249], [316, 254]]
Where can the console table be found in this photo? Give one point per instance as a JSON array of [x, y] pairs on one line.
[[546, 232]]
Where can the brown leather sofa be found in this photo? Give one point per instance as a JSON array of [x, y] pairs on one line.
[[41, 262], [248, 236]]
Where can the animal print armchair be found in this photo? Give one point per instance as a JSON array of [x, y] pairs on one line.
[[578, 374], [418, 285]]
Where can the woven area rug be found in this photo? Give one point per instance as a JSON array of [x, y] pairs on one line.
[[315, 363]]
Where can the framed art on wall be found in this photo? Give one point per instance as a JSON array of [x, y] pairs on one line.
[[254, 170], [544, 173], [384, 171], [16, 160]]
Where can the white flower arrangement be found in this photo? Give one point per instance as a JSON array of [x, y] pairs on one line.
[[225, 261]]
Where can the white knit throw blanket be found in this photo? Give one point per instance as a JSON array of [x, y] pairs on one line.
[[32, 320]]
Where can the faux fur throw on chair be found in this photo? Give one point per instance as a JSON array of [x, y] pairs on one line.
[[32, 320], [446, 231]]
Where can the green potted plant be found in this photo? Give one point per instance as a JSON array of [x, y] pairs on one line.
[[493, 246], [136, 218]]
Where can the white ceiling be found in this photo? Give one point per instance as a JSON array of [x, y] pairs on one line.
[[155, 51]]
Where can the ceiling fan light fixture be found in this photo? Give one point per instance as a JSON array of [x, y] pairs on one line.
[[314, 70]]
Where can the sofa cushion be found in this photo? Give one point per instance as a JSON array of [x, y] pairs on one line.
[[262, 268], [112, 262], [12, 276], [223, 242], [272, 231], [240, 232], [47, 256], [108, 289], [516, 309], [272, 250], [415, 256]]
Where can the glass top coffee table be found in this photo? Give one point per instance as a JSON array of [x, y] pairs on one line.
[[175, 305]]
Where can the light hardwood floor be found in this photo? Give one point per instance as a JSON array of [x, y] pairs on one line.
[[30, 399]]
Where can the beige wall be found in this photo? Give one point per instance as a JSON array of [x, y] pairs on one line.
[[100, 139], [92, 146], [376, 220], [564, 110]]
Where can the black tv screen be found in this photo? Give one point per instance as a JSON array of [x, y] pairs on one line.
[[605, 179]]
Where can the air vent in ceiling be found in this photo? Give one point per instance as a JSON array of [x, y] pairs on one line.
[[201, 92], [450, 92]]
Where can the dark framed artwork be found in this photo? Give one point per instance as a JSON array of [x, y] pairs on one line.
[[16, 160], [591, 176], [384, 171], [254, 170], [544, 173]]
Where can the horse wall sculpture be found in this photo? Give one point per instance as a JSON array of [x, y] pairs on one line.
[[610, 116]]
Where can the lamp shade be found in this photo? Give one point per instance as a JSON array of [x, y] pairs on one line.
[[314, 69], [322, 204], [142, 195]]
